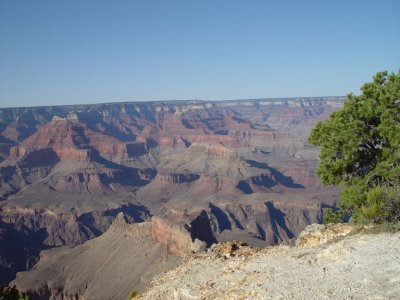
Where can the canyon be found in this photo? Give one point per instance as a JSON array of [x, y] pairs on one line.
[[165, 178]]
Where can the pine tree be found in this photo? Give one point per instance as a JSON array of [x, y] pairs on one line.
[[360, 148]]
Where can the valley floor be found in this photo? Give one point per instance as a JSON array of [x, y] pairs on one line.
[[328, 262]]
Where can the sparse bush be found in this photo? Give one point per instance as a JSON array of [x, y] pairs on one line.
[[133, 294], [382, 205], [335, 216], [11, 293]]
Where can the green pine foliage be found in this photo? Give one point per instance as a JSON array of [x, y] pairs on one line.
[[360, 150], [382, 205], [11, 293], [335, 216]]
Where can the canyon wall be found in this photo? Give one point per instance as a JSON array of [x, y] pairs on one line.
[[218, 170], [124, 258]]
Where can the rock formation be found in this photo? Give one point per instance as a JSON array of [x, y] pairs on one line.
[[328, 262], [124, 258], [223, 170]]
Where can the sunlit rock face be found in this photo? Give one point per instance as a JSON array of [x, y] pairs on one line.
[[221, 170]]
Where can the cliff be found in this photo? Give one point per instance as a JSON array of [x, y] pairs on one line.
[[328, 262], [124, 258]]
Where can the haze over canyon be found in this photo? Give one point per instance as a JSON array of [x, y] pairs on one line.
[[90, 191]]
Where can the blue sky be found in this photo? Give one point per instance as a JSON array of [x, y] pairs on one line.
[[66, 52]]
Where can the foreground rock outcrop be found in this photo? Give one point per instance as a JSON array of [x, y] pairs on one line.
[[328, 262]]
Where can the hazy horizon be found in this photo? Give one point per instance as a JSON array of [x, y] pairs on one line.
[[63, 53], [174, 100]]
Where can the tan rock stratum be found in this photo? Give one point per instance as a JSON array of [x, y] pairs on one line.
[[328, 262]]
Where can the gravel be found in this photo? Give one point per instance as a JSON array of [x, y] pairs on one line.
[[343, 264]]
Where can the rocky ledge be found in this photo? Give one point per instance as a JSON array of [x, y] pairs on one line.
[[327, 262]]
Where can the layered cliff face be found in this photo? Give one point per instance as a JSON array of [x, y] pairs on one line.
[[68, 157], [228, 170]]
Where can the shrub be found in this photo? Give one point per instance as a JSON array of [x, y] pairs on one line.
[[382, 205], [133, 294], [360, 150], [336, 216], [11, 293]]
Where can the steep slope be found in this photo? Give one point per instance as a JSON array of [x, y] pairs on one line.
[[124, 258], [24, 233], [334, 262]]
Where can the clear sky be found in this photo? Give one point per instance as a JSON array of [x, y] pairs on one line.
[[65, 52]]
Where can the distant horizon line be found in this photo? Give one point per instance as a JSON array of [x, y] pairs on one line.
[[174, 100]]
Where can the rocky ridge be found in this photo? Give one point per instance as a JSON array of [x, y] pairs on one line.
[[328, 262], [124, 258]]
